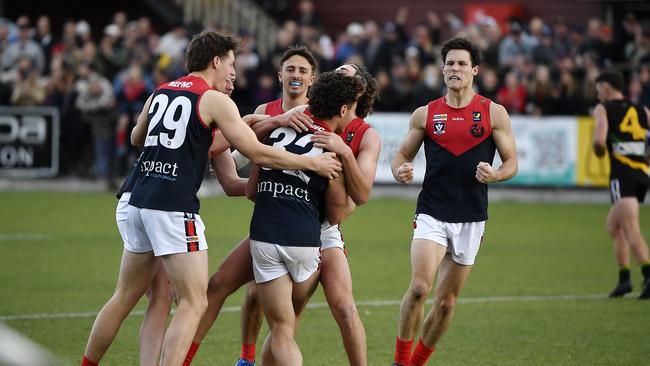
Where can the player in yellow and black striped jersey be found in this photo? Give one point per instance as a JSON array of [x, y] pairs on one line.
[[621, 128]]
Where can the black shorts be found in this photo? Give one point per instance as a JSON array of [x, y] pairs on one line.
[[628, 183]]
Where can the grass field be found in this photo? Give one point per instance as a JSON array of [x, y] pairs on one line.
[[535, 297]]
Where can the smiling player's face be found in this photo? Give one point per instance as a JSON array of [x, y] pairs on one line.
[[296, 75], [457, 70]]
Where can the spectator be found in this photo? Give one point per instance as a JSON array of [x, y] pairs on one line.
[[45, 39], [489, 84], [389, 98], [516, 43], [542, 96], [374, 50], [349, 43], [307, 14], [24, 46], [544, 52], [513, 94], [570, 101], [95, 100], [27, 88]]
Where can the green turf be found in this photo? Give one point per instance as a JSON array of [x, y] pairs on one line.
[[529, 250]]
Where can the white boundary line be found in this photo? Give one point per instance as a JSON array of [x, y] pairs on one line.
[[372, 303]]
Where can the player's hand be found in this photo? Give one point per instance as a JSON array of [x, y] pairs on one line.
[[405, 173], [252, 119], [295, 119], [485, 173], [327, 165], [330, 141]]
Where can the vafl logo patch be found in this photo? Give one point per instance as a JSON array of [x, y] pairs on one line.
[[476, 116], [439, 128], [349, 137]]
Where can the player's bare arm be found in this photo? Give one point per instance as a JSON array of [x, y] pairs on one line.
[[336, 198], [220, 144], [505, 144], [139, 132], [220, 111], [401, 166], [225, 171], [600, 131], [251, 186], [294, 118], [360, 171]]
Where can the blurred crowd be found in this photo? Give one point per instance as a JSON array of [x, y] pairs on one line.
[[99, 76]]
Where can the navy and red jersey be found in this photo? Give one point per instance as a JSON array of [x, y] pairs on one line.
[[127, 186], [175, 150], [289, 203], [627, 126], [353, 134], [457, 139], [274, 108]]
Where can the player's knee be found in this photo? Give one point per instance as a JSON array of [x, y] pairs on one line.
[[218, 284], [419, 290], [613, 227], [445, 306], [195, 303], [345, 312]]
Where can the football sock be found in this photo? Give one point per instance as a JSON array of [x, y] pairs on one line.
[[624, 274], [421, 354], [645, 269], [86, 362], [403, 351], [248, 352], [191, 353]]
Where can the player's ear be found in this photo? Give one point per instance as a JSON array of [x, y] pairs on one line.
[[475, 70], [216, 62], [343, 111], [280, 76]]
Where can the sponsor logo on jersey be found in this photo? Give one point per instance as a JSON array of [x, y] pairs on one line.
[[439, 128], [476, 116], [629, 148], [477, 130], [349, 137], [283, 191], [163, 170], [458, 119], [440, 117]]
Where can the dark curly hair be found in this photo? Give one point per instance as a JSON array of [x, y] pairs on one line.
[[331, 91], [205, 46], [371, 94], [461, 44]]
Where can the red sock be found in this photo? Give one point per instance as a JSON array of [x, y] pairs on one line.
[[86, 362], [403, 351], [421, 354], [248, 352], [191, 353]]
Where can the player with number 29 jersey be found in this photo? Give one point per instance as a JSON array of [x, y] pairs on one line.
[[175, 150]]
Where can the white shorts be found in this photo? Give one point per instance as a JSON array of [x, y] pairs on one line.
[[120, 216], [331, 237], [462, 239], [271, 261], [164, 232]]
